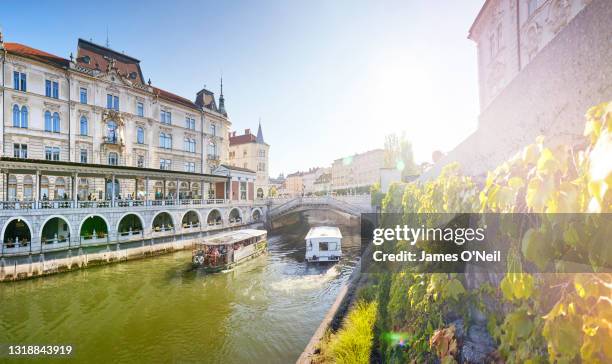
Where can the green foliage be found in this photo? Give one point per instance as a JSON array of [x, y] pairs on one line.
[[560, 318], [353, 342], [375, 195], [399, 155]]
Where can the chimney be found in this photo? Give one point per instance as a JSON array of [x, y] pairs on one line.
[[247, 131]]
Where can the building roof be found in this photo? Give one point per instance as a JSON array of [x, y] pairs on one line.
[[95, 56], [231, 237], [169, 96], [235, 168], [206, 99], [36, 54], [324, 232], [242, 139], [85, 169], [260, 138]]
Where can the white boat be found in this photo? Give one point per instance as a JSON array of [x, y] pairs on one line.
[[323, 244]]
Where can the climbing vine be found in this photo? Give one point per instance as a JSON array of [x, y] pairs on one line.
[[535, 318]]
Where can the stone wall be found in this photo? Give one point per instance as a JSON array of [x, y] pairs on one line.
[[549, 97]]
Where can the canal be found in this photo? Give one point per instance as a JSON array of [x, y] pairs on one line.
[[160, 310]]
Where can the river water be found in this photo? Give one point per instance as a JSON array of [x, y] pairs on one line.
[[160, 310]]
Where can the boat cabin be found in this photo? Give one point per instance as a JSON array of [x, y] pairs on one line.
[[225, 250], [323, 244]]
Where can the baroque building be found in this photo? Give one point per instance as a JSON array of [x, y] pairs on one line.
[[251, 152], [96, 159]]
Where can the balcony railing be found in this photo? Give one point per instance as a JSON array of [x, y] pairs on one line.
[[213, 157], [69, 204], [112, 140]]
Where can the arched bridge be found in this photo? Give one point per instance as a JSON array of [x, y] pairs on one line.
[[352, 205]]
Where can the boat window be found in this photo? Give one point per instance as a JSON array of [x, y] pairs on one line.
[[323, 246]]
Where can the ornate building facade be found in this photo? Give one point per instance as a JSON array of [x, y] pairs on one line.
[[95, 158]]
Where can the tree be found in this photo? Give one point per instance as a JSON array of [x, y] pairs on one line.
[[398, 154], [272, 192]]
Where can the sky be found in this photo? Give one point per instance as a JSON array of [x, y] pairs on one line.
[[328, 79]]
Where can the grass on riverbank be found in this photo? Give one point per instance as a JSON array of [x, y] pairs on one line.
[[353, 342]]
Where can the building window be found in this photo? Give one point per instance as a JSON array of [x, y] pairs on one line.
[[140, 109], [112, 102], [48, 122], [140, 161], [140, 135], [20, 116], [56, 123], [532, 6], [52, 89], [190, 145], [113, 158], [83, 155], [19, 81], [165, 140], [243, 190], [83, 93], [20, 150], [111, 131], [262, 153], [190, 123], [84, 129], [165, 164], [491, 46], [212, 150], [499, 36], [52, 122], [52, 153], [190, 167], [213, 129], [166, 117]]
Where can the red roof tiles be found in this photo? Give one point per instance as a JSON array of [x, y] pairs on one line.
[[36, 54], [242, 139]]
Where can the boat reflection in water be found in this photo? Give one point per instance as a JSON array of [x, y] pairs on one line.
[[224, 251]]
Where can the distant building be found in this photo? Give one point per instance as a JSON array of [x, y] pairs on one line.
[[294, 184], [541, 65], [251, 152], [309, 178], [322, 185], [358, 171]]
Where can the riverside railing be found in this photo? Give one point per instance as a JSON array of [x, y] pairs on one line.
[[69, 204]]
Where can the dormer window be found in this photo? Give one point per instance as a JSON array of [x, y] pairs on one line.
[[86, 59], [133, 75]]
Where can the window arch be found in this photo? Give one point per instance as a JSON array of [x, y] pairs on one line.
[[56, 122], [112, 158], [48, 122], [140, 135], [24, 116], [212, 149], [84, 127], [16, 123]]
